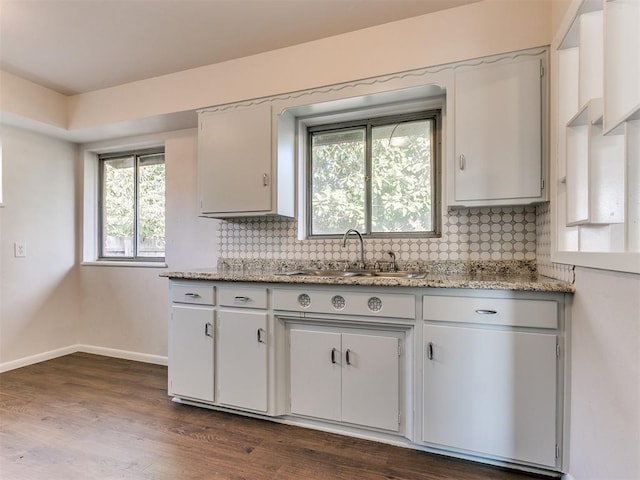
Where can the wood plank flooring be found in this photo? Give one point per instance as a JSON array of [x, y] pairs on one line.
[[90, 417]]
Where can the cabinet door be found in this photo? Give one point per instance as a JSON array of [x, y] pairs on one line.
[[370, 381], [315, 363], [241, 349], [191, 351], [234, 160], [491, 392], [498, 142]]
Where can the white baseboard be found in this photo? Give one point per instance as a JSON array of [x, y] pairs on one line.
[[60, 352], [566, 476], [40, 357], [124, 354]]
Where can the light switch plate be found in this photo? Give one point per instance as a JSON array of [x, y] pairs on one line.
[[19, 249]]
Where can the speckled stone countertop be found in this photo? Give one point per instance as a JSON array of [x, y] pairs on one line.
[[496, 275]]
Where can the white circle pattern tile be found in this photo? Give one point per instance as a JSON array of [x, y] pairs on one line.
[[506, 233]]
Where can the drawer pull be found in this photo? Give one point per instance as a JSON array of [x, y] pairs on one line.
[[481, 311], [240, 299], [333, 355], [430, 351], [208, 328], [192, 295], [260, 335], [347, 357]]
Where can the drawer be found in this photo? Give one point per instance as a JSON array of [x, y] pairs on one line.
[[491, 311], [352, 303], [199, 293], [247, 297]]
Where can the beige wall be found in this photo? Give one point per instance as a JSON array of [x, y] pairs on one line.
[[475, 30], [39, 309], [126, 308]]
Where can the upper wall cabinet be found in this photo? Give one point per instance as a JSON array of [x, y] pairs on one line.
[[499, 151], [597, 178], [238, 168]]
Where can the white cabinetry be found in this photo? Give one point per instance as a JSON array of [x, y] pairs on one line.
[[345, 377], [237, 164], [498, 133], [242, 349], [598, 118], [490, 387], [191, 341]]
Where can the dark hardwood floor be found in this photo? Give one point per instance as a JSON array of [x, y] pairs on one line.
[[90, 417]]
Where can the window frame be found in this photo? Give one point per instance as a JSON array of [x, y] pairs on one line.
[[137, 155], [434, 114]]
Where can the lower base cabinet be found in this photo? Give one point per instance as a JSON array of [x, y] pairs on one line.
[[491, 392], [191, 347], [346, 377], [241, 350], [490, 365]]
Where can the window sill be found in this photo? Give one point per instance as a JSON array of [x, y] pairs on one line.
[[107, 263]]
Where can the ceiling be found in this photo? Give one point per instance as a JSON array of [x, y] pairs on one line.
[[77, 46]]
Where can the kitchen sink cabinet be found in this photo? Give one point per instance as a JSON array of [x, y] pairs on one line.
[[345, 377], [239, 169], [470, 373], [499, 133]]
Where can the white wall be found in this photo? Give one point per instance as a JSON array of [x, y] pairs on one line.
[[605, 376], [605, 361], [39, 309]]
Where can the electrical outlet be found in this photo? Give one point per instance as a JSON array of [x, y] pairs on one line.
[[19, 249]]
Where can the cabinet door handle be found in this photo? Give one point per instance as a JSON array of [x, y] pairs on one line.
[[191, 295], [208, 328], [430, 351], [265, 179], [347, 356], [463, 161], [261, 332], [240, 299], [482, 311], [333, 355]]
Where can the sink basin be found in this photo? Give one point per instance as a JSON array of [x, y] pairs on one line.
[[400, 274], [354, 273], [330, 273]]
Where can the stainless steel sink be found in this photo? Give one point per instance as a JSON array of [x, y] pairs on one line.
[[354, 273], [400, 274]]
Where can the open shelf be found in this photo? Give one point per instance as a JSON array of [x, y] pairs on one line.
[[598, 158], [621, 62]]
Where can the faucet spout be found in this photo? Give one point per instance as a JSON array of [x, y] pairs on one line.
[[344, 243]]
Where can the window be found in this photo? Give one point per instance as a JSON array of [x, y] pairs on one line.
[[132, 206], [379, 176]]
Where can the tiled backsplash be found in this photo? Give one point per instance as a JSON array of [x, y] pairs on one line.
[[543, 251], [505, 233], [499, 233]]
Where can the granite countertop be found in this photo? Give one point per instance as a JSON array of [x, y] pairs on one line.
[[481, 275]]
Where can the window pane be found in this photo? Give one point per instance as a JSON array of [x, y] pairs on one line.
[[401, 169], [118, 207], [337, 181], [151, 206]]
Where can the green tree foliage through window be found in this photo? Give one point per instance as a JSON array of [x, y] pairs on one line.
[[377, 176], [133, 206]]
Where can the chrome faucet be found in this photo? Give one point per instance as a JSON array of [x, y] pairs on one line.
[[344, 243], [393, 267]]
